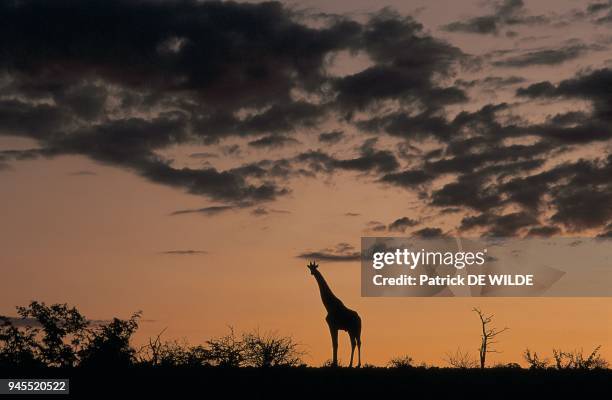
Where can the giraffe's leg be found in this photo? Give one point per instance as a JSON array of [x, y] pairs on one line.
[[358, 351], [352, 348], [334, 337]]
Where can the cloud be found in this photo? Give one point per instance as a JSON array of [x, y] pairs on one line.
[[331, 137], [500, 225], [342, 252], [185, 252], [396, 73], [428, 233], [351, 214], [401, 224], [544, 57], [544, 231], [207, 211], [407, 178], [491, 82], [273, 141], [233, 76], [100, 99], [506, 13], [376, 226], [203, 155], [261, 211]]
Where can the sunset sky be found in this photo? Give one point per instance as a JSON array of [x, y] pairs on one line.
[[187, 158]]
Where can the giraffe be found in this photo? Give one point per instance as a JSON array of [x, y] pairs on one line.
[[339, 317]]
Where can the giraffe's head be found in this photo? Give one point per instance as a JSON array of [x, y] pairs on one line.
[[312, 266]]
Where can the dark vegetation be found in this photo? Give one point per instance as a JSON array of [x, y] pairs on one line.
[[100, 358]]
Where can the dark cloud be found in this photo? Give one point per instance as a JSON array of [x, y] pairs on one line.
[[428, 233], [407, 179], [203, 155], [506, 13], [544, 231], [261, 211], [576, 127], [91, 82], [401, 224], [499, 225], [185, 252], [544, 57], [376, 226], [208, 211], [491, 82], [590, 86], [340, 253], [468, 191], [272, 141], [331, 137], [584, 207], [369, 160], [391, 41]]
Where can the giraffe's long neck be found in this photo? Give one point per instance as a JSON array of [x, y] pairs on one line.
[[330, 301]]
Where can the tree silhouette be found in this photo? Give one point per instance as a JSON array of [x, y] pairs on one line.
[[109, 344], [62, 330], [18, 346], [487, 336], [60, 336]]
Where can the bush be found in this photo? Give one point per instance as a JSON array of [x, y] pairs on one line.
[[271, 350], [577, 360], [534, 360], [400, 362], [461, 360]]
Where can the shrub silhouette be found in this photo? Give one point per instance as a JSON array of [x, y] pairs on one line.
[[534, 361], [577, 360], [226, 351], [461, 360], [172, 354], [400, 362], [271, 350]]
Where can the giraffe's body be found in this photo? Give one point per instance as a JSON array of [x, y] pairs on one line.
[[339, 317]]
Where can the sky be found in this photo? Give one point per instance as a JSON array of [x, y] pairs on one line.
[[187, 158]]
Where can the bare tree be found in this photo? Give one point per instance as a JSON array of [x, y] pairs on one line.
[[487, 339], [461, 360]]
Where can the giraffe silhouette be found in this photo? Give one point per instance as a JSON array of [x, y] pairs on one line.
[[339, 317]]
